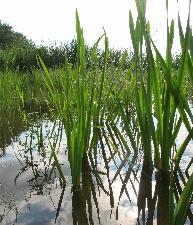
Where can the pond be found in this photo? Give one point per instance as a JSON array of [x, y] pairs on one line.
[[116, 188]]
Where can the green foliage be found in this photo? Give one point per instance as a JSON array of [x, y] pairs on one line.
[[18, 53], [9, 38]]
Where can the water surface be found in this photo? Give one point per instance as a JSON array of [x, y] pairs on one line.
[[112, 191]]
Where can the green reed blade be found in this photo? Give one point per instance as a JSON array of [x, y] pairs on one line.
[[183, 205]]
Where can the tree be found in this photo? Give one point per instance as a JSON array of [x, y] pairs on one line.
[[9, 38]]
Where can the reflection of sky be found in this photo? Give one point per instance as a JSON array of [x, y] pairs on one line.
[[38, 214], [187, 156], [41, 209]]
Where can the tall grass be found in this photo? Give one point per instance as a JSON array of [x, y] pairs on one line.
[[160, 107], [159, 101], [81, 103]]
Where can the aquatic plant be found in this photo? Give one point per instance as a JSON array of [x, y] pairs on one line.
[[161, 108]]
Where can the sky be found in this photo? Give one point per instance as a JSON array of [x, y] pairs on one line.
[[47, 21]]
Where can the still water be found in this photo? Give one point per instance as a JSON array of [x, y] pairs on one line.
[[113, 189]]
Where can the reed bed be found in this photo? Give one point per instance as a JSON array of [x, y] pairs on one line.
[[151, 104]]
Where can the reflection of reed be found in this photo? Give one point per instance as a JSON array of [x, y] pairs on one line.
[[145, 193], [147, 203], [43, 171], [82, 197], [14, 122], [2, 152], [84, 200], [163, 198]]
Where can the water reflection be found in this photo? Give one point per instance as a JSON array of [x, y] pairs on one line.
[[16, 121], [116, 187], [145, 199], [84, 196], [11, 125]]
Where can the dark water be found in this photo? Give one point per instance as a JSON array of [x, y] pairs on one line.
[[113, 189]]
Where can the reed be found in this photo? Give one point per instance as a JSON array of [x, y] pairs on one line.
[[162, 107]]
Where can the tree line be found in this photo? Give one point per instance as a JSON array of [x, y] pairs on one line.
[[19, 53]]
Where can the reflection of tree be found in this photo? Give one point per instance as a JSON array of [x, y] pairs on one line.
[[13, 123], [2, 152], [11, 126]]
